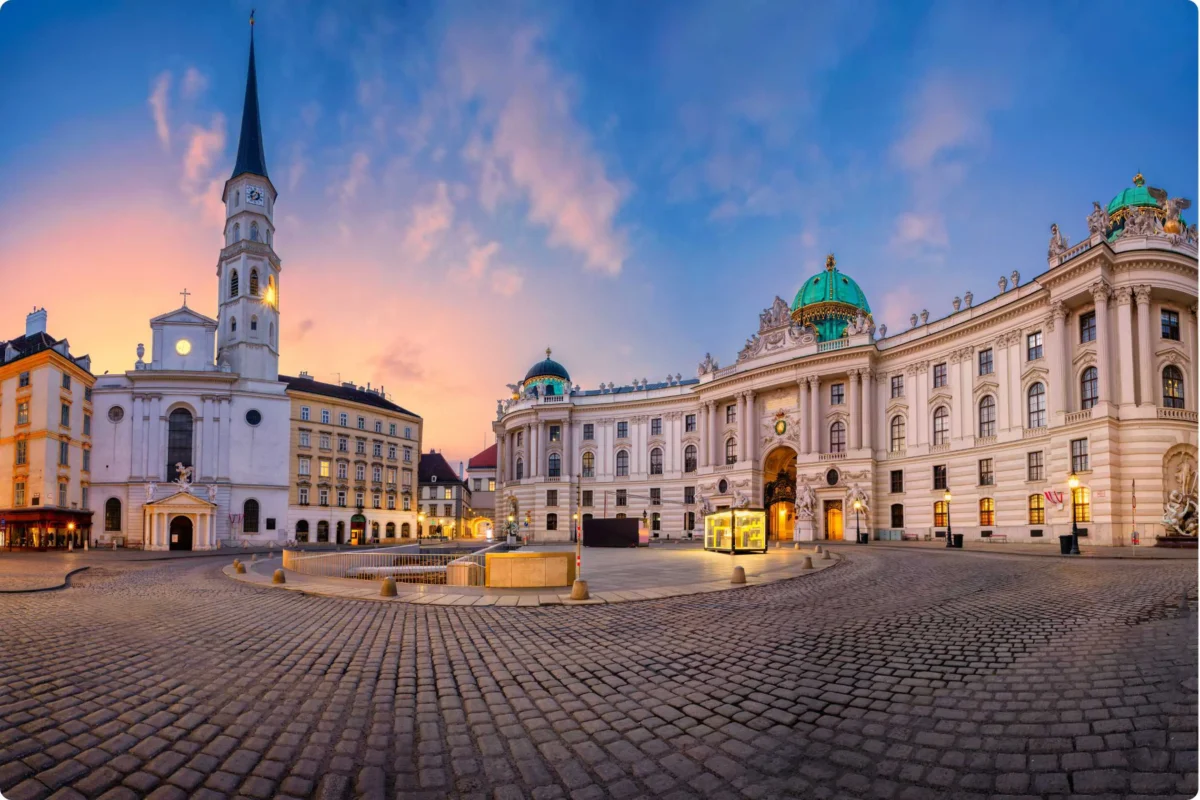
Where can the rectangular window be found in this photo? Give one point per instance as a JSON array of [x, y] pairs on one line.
[[324, 416], [1170, 325], [62, 493], [939, 375], [897, 516], [379, 426], [689, 521], [986, 476], [1037, 509], [19, 493], [66, 381], [304, 413], [360, 447], [897, 386], [342, 470], [656, 426], [359, 499], [391, 475], [897, 481], [303, 493], [360, 472], [305, 467], [323, 497], [589, 431], [1033, 346], [408, 433], [65, 416], [84, 494], [343, 419], [377, 473], [731, 413], [940, 515], [343, 444], [406, 503], [491, 484], [447, 493], [1079, 455], [376, 500], [305, 439], [689, 423], [325, 439], [87, 460], [556, 433], [391, 429], [689, 495], [22, 451], [837, 394], [656, 497], [64, 454], [477, 484], [391, 502], [87, 424], [324, 467], [987, 511], [1081, 502], [23, 381], [448, 510], [23, 412], [392, 452], [622, 430], [520, 437], [362, 423], [407, 477], [985, 362], [1087, 327], [552, 497], [587, 498], [622, 498], [939, 476], [408, 455], [1034, 468], [377, 450]]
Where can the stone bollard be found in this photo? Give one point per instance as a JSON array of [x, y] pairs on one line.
[[270, 554], [807, 563], [85, 544], [71, 546], [796, 546], [239, 568], [254, 558], [739, 575], [114, 545], [278, 577], [579, 590], [817, 550], [388, 589], [825, 555]]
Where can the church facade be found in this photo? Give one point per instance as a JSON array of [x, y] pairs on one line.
[[190, 447], [1068, 399]]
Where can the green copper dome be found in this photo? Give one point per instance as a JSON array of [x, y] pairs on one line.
[[1136, 195], [828, 301]]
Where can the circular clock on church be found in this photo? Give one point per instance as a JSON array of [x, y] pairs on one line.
[[183, 347], [254, 195]]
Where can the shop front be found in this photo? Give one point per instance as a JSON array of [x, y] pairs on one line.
[[44, 528], [358, 529], [736, 530]]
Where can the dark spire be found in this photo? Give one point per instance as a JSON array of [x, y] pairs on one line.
[[250, 156]]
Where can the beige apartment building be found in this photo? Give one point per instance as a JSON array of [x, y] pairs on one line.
[[45, 440], [353, 467]]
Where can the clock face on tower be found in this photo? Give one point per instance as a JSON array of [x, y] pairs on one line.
[[183, 347], [254, 195]]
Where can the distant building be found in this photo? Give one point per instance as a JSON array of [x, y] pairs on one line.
[[353, 459], [45, 435], [481, 476], [445, 498]]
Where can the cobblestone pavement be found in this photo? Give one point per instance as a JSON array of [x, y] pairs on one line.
[[894, 674]]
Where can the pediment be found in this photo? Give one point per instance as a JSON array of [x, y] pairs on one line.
[[986, 387], [183, 316], [942, 395], [897, 404], [183, 500]]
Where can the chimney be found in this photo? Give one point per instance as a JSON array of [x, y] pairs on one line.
[[304, 374], [460, 471], [35, 322]]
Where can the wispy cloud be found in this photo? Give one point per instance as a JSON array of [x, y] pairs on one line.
[[194, 83], [920, 229], [356, 175], [479, 257], [158, 107], [429, 221], [507, 281], [200, 183]]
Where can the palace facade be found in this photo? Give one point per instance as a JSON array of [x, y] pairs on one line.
[[977, 420]]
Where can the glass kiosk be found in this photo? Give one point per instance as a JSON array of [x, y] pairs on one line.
[[736, 530]]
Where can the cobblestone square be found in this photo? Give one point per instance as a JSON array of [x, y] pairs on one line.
[[894, 674]]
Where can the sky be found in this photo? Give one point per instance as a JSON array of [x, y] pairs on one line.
[[462, 185]]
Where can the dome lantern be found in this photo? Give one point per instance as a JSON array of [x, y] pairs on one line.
[[829, 301]]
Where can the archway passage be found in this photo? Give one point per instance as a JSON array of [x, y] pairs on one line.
[[181, 533], [833, 520], [779, 493]]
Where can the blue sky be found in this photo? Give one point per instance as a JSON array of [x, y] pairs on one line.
[[463, 184]]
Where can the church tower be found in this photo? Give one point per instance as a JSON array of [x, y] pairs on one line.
[[248, 268]]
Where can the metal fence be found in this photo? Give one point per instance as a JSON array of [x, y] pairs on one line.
[[405, 564]]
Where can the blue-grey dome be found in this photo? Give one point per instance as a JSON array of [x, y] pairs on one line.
[[547, 369]]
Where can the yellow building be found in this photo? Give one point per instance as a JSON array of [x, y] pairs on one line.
[[354, 457], [45, 440]]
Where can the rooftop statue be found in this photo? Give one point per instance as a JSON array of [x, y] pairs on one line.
[[1058, 242], [1097, 221], [1173, 207]]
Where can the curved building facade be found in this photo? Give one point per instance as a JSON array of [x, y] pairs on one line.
[[977, 420]]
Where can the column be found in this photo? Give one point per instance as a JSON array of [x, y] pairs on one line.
[[814, 415], [225, 432], [855, 439], [136, 453], [1016, 396], [155, 459], [714, 431], [1100, 292], [920, 410], [959, 410], [1003, 401], [1125, 344], [705, 429], [1145, 365], [803, 405], [568, 449], [198, 456], [752, 425], [966, 387], [868, 409]]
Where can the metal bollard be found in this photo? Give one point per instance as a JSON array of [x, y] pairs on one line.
[[807, 563], [278, 577], [388, 589], [739, 575]]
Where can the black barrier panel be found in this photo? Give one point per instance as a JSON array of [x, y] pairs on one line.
[[610, 532]]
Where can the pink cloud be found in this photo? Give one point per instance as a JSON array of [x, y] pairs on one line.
[[506, 281], [479, 257], [429, 222], [200, 183], [158, 107], [920, 229]]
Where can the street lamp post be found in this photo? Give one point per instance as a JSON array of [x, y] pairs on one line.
[[949, 530], [420, 525], [1073, 483], [857, 524]]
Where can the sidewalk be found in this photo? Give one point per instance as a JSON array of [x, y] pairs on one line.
[[1048, 550]]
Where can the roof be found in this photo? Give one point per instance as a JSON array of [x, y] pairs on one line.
[[631, 389], [250, 157], [432, 465], [485, 459], [831, 286], [26, 346], [340, 392], [1136, 195], [548, 368]]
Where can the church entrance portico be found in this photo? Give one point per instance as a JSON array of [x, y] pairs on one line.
[[181, 533], [180, 521]]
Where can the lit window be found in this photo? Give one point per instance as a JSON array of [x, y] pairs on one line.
[[1081, 502], [589, 465], [939, 514], [987, 511], [1037, 509], [1172, 380]]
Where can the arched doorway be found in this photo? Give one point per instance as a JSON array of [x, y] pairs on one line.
[[358, 528], [181, 533], [341, 531], [323, 531], [779, 493]]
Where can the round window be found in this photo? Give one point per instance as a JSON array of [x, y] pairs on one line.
[[723, 486], [116, 414], [831, 477], [253, 417]]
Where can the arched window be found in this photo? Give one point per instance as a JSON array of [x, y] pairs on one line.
[[622, 463], [302, 530], [897, 516], [899, 433], [1172, 378], [656, 461], [731, 451], [112, 514], [987, 416], [250, 516], [520, 469], [941, 425], [405, 530], [254, 231], [1037, 509], [1037, 406], [391, 530], [589, 465], [1089, 388], [374, 530], [552, 522], [987, 511], [837, 437], [322, 531], [179, 441], [689, 458], [254, 322], [233, 324], [554, 466], [233, 284], [939, 514], [254, 283], [237, 232]]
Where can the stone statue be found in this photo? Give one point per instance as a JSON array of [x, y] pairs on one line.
[[883, 331], [1058, 242], [1190, 234], [707, 365], [778, 315], [183, 475], [1141, 222], [1003, 284], [1179, 517], [856, 493], [150, 487], [912, 321], [968, 298], [924, 316], [806, 501], [499, 409], [1173, 206], [742, 500], [705, 506], [957, 302], [1097, 221], [212, 493], [1016, 278]]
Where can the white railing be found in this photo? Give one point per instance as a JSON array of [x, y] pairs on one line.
[[939, 448], [1078, 416], [896, 454], [1177, 413], [554, 398], [984, 441], [1070, 253], [832, 344], [1033, 433], [833, 457]]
